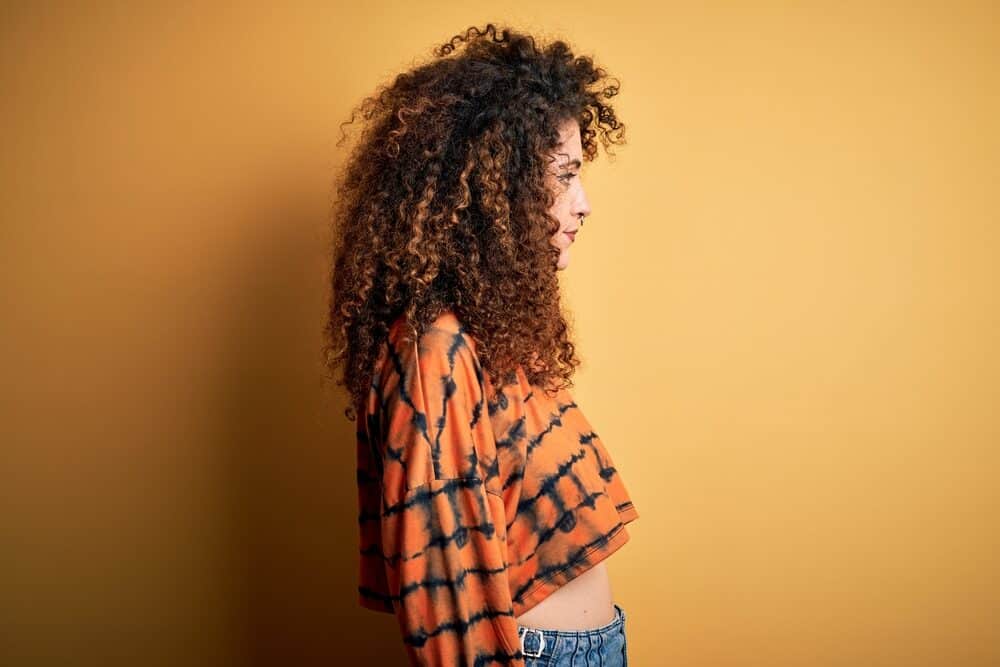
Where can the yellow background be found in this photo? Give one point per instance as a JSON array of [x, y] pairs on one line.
[[786, 302]]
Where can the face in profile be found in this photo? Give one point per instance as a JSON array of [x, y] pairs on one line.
[[571, 201]]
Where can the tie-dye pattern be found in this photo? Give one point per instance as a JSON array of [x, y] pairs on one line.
[[472, 512]]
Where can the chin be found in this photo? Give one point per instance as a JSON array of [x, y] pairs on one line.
[[563, 260]]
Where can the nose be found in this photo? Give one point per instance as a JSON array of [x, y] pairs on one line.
[[582, 207]]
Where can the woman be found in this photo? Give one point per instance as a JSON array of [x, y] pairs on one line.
[[487, 501]]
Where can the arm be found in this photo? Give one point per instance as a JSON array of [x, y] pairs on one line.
[[443, 521]]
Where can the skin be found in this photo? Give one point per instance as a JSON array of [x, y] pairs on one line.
[[571, 201]]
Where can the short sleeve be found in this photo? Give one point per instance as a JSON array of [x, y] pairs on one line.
[[443, 526]]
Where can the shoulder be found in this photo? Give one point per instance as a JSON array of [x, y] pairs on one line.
[[444, 338]]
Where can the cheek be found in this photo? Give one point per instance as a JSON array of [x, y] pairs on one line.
[[560, 211]]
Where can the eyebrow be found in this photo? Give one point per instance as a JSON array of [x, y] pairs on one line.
[[571, 163]]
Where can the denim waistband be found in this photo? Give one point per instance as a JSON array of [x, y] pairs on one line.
[[537, 642]]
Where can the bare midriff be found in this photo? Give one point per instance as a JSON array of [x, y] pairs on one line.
[[583, 603]]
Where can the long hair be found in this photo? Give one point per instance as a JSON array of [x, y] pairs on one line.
[[443, 204]]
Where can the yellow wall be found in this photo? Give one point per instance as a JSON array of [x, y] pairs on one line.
[[786, 301]]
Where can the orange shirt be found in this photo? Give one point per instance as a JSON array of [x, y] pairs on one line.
[[472, 512]]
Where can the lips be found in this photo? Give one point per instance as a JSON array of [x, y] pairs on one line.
[[571, 235]]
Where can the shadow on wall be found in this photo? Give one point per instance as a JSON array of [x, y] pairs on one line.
[[289, 465]]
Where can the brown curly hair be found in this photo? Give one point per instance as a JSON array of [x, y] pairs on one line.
[[443, 204]]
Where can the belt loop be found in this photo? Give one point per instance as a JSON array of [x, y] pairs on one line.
[[541, 642]]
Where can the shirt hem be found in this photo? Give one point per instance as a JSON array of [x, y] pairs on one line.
[[375, 605], [547, 586]]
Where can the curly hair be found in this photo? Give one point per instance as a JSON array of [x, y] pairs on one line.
[[444, 204]]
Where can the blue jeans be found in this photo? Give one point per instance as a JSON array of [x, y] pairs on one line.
[[603, 646]]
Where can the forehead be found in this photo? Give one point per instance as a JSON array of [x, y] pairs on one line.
[[569, 142]]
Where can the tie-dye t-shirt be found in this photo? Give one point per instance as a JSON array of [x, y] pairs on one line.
[[474, 511]]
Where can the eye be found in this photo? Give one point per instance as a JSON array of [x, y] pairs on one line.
[[565, 177]]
